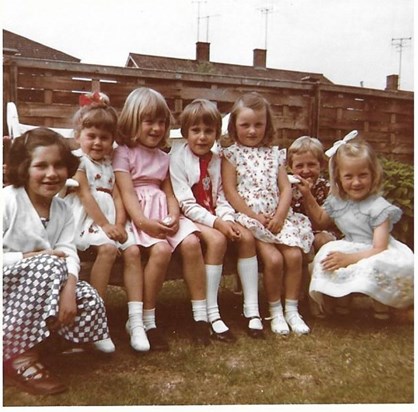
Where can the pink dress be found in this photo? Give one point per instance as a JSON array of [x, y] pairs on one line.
[[148, 168]]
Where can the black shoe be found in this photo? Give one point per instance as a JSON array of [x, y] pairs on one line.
[[201, 334], [227, 336], [156, 340], [254, 333]]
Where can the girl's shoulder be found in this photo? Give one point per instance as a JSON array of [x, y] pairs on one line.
[[379, 210]]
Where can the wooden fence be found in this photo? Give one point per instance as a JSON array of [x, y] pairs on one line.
[[46, 93]]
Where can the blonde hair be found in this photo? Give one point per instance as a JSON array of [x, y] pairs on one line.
[[355, 149], [200, 110], [306, 144], [97, 112], [140, 103], [254, 101]]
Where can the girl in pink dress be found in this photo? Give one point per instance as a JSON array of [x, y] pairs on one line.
[[141, 170]]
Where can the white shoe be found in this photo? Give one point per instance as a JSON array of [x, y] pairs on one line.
[[278, 325], [104, 345], [139, 340], [296, 323]]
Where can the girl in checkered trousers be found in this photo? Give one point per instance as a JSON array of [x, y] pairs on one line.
[[41, 290]]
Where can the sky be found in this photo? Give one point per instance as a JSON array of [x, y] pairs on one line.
[[351, 42]]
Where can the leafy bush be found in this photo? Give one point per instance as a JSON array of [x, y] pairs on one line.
[[398, 189]]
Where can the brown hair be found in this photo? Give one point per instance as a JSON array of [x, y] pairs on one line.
[[20, 155], [97, 114], [254, 101], [200, 110]]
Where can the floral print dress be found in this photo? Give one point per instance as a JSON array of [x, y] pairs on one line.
[[257, 171], [387, 277]]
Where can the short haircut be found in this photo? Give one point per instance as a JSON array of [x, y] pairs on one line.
[[200, 110], [305, 144], [254, 101], [20, 155]]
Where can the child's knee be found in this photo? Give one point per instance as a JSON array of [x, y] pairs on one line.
[[107, 251], [131, 254]]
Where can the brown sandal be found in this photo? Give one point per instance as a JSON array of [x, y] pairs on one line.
[[33, 378]]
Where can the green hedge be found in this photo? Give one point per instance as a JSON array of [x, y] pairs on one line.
[[398, 189]]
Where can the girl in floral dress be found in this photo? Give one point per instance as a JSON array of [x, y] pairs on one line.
[[256, 185]]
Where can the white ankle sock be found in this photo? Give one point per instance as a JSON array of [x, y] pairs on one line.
[[291, 305], [149, 318], [276, 308], [248, 274], [213, 280], [199, 310]]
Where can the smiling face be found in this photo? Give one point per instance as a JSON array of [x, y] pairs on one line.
[[251, 126], [151, 131], [201, 137], [355, 177], [47, 174], [96, 143], [306, 165]]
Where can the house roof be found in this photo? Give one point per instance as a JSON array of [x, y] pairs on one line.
[[15, 44], [143, 61]]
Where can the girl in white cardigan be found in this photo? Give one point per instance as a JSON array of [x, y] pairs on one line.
[[195, 171], [41, 291]]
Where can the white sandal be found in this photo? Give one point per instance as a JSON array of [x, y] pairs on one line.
[[296, 323]]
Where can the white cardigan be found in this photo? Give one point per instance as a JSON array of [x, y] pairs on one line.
[[185, 173], [24, 232]]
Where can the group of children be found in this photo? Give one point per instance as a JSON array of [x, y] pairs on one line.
[[136, 198]]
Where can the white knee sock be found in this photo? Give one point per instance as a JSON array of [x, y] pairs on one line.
[[213, 280], [135, 314], [199, 310], [248, 274], [149, 318]]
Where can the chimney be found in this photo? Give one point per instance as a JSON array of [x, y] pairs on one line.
[[392, 82], [202, 51], [260, 58]]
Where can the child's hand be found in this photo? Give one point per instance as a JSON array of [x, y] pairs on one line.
[[229, 229], [52, 252], [156, 229], [113, 232], [67, 304], [335, 260], [263, 219], [275, 224], [172, 224], [123, 235], [304, 185]]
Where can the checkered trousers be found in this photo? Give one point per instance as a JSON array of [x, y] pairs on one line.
[[31, 291]]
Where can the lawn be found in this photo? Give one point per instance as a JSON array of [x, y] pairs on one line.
[[353, 360]]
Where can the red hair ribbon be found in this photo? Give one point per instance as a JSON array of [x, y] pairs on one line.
[[91, 98]]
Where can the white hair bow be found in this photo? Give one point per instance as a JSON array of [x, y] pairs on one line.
[[331, 152]]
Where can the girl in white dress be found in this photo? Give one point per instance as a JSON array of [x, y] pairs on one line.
[[100, 217], [256, 184], [368, 260]]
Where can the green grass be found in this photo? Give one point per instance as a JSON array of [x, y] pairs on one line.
[[354, 360]]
